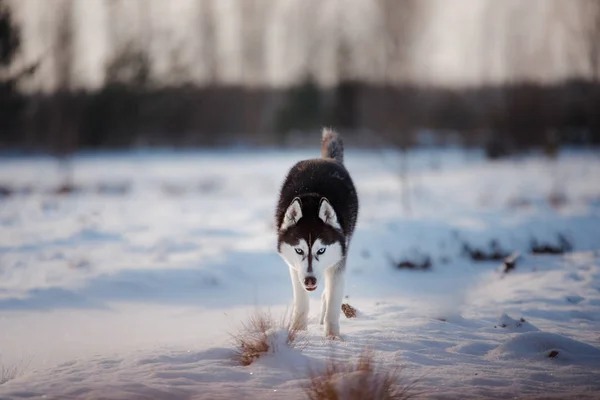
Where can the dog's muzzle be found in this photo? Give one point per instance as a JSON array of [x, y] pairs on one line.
[[310, 283]]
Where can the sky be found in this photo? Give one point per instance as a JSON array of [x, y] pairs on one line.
[[458, 42]]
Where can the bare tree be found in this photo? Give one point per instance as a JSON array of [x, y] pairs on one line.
[[130, 63], [587, 29], [63, 46], [586, 38], [65, 114], [253, 45], [208, 42], [253, 38], [10, 35], [10, 104], [592, 35], [400, 18]]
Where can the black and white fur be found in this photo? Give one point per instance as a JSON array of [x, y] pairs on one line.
[[315, 218]]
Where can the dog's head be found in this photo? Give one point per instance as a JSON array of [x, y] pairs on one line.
[[311, 239]]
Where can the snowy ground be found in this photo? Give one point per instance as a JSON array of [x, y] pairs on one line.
[[131, 287]]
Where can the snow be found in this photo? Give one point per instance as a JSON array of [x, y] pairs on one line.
[[132, 286]]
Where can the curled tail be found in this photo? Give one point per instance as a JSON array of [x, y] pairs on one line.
[[332, 145]]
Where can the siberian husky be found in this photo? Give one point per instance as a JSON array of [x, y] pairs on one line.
[[315, 218]]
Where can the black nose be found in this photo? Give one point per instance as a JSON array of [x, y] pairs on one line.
[[310, 281]]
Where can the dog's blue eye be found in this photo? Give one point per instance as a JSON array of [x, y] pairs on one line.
[[321, 251], [299, 251]]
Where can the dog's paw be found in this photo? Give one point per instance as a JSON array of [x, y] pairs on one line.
[[332, 330], [335, 337]]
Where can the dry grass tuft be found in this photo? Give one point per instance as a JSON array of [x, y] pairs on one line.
[[262, 334], [10, 373], [360, 380]]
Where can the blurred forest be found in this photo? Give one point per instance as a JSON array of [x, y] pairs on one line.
[[368, 88]]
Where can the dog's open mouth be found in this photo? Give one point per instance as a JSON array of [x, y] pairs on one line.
[[310, 288]]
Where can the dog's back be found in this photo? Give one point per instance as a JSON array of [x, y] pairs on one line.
[[310, 180]]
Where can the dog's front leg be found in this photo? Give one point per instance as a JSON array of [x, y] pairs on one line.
[[301, 305], [334, 286], [323, 307]]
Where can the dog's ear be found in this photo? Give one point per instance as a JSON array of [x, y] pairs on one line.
[[292, 214], [327, 214]]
